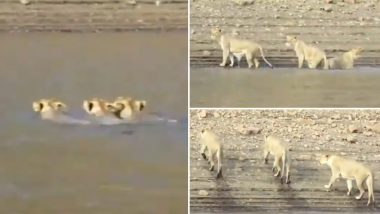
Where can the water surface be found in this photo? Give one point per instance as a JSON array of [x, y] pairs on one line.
[[284, 87], [58, 168]]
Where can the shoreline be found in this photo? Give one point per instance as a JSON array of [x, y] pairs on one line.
[[267, 22], [93, 16]]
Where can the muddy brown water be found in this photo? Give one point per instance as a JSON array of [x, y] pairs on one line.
[[57, 168], [284, 87]]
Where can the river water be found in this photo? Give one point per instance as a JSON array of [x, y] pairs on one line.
[[284, 87], [59, 168]]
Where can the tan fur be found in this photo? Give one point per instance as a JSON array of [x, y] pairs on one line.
[[98, 107], [277, 148], [350, 170], [345, 60], [127, 107], [312, 54], [49, 108], [210, 142], [232, 46]]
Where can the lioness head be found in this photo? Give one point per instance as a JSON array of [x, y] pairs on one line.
[[324, 158], [128, 102], [356, 52], [49, 105], [96, 106], [290, 40], [215, 33]]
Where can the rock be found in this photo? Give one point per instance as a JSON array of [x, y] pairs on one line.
[[216, 114], [328, 138], [368, 134], [25, 2], [370, 5], [206, 53], [131, 2], [248, 130], [327, 8], [351, 139], [329, 1], [202, 114], [244, 2], [354, 129], [203, 192], [158, 2], [375, 128], [235, 32], [350, 1]]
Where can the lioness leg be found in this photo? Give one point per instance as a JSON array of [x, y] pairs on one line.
[[349, 187], [300, 60], [249, 59], [257, 63], [232, 60], [226, 53], [314, 64], [359, 183]]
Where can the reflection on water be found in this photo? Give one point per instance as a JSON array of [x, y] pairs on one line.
[[47, 167], [284, 87]]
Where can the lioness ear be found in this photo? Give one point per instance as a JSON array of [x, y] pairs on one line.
[[38, 106], [88, 105], [60, 105], [141, 105]]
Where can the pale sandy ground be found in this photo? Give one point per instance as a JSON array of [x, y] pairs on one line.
[[268, 22], [248, 184], [93, 15]]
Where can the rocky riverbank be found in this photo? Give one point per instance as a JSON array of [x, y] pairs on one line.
[[249, 185], [333, 25], [92, 15]]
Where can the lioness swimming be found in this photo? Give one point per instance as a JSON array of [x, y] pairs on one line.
[[99, 108], [54, 110], [127, 107]]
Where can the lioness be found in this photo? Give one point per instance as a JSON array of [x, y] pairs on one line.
[[238, 47], [313, 55], [127, 107], [350, 170], [276, 147], [210, 142], [345, 60], [49, 108], [99, 108]]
